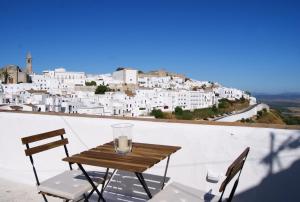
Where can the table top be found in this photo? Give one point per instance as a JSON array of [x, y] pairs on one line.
[[142, 157]]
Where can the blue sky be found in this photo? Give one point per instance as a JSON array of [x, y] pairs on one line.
[[252, 45]]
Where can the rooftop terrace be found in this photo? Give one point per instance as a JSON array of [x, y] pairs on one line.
[[271, 172]]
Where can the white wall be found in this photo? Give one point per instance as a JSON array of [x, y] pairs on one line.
[[204, 147], [128, 76]]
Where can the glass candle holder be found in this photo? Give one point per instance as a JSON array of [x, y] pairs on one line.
[[122, 134]]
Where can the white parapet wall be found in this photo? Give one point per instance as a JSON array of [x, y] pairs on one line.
[[244, 115], [204, 148]]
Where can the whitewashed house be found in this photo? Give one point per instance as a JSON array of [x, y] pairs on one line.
[[126, 75], [93, 110], [1, 94], [231, 93], [58, 81], [15, 89], [201, 99]]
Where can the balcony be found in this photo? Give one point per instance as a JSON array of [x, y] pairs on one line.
[[271, 172]]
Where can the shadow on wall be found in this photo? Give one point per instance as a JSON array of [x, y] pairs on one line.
[[281, 186]]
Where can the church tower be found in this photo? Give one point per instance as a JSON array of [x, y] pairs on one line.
[[28, 63]]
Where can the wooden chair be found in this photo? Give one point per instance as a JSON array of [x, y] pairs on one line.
[[70, 185], [178, 192]]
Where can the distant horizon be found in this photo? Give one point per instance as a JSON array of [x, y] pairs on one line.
[[253, 46]]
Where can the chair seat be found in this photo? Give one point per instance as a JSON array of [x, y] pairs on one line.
[[177, 192], [69, 184]]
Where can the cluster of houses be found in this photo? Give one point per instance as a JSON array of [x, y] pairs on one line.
[[131, 93]]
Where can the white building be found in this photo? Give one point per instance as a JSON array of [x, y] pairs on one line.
[[58, 81], [93, 110], [165, 82], [231, 93], [72, 78], [63, 91], [17, 88], [126, 76], [103, 79], [201, 99], [1, 94]]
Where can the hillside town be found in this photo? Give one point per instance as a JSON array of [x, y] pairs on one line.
[[125, 92]]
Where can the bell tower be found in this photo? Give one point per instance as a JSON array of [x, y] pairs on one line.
[[28, 63]]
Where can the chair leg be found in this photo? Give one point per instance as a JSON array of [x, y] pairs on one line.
[[44, 196], [85, 198], [91, 182]]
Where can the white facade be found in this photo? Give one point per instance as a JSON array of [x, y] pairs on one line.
[[165, 82], [201, 99], [58, 81], [102, 79], [62, 91], [127, 76], [17, 88], [231, 93], [1, 94], [96, 110], [71, 78]]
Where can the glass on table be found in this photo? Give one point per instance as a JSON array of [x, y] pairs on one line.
[[122, 134]]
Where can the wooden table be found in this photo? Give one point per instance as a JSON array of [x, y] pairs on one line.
[[142, 157]]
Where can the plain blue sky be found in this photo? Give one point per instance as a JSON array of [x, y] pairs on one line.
[[252, 45]]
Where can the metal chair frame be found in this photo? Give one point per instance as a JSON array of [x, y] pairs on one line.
[[234, 168], [37, 149]]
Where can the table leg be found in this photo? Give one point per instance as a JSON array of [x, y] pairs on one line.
[[104, 179], [165, 175], [110, 178], [142, 181], [91, 182]]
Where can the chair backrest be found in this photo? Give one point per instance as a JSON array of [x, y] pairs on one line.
[[37, 149], [43, 147], [235, 168]]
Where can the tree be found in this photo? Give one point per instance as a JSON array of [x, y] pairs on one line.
[[157, 113], [248, 93], [214, 109], [140, 72], [187, 115], [242, 99], [178, 111], [120, 68], [259, 113], [195, 88], [224, 103], [213, 84], [92, 83], [101, 89]]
